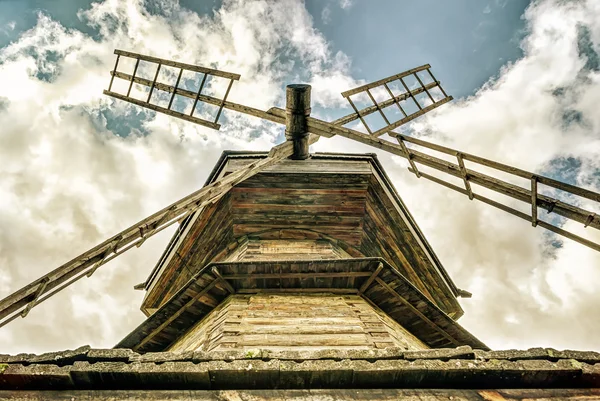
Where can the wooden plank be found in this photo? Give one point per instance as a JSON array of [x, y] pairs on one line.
[[365, 394], [418, 312], [384, 80], [371, 278], [294, 275], [204, 98], [298, 290], [252, 340], [411, 117], [174, 316], [517, 213], [177, 64]]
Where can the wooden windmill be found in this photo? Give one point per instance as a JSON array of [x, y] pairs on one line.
[[288, 250]]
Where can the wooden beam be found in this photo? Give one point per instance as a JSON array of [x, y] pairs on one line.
[[175, 315], [384, 80], [372, 278], [417, 312], [223, 281], [294, 275], [299, 290], [515, 212], [393, 100], [514, 191], [534, 201], [176, 64]]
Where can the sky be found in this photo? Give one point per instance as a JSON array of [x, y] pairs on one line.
[[76, 166]]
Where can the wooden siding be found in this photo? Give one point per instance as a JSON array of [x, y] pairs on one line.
[[295, 322], [343, 201], [296, 249]]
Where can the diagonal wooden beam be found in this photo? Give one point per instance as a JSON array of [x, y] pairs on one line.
[[370, 280]]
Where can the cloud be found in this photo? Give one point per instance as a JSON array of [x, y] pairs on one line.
[[78, 167]]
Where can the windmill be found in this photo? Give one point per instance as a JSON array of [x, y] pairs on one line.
[[301, 130]]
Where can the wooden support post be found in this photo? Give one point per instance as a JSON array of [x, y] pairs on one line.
[[409, 156], [153, 82], [112, 76], [465, 176], [175, 90], [411, 95], [297, 109], [534, 201], [38, 293], [137, 62], [370, 280]]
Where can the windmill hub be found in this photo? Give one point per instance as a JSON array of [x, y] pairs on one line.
[[297, 109]]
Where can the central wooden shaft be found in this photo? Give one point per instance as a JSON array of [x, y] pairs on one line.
[[297, 109]]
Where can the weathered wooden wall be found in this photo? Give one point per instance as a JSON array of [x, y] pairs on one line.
[[286, 249], [294, 321], [307, 395]]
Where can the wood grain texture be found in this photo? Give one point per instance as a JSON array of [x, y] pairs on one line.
[[295, 321], [307, 395], [320, 208]]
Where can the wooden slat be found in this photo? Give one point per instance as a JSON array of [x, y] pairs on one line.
[[411, 95], [298, 290], [386, 103], [534, 201], [465, 175], [411, 117], [177, 64], [164, 110], [384, 80], [516, 213]]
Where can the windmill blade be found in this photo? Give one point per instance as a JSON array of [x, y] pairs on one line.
[[173, 90], [22, 301], [384, 86], [530, 195]]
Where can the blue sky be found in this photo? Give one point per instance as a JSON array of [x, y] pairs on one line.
[[78, 166]]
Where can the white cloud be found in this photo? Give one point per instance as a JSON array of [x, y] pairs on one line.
[[346, 4]]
